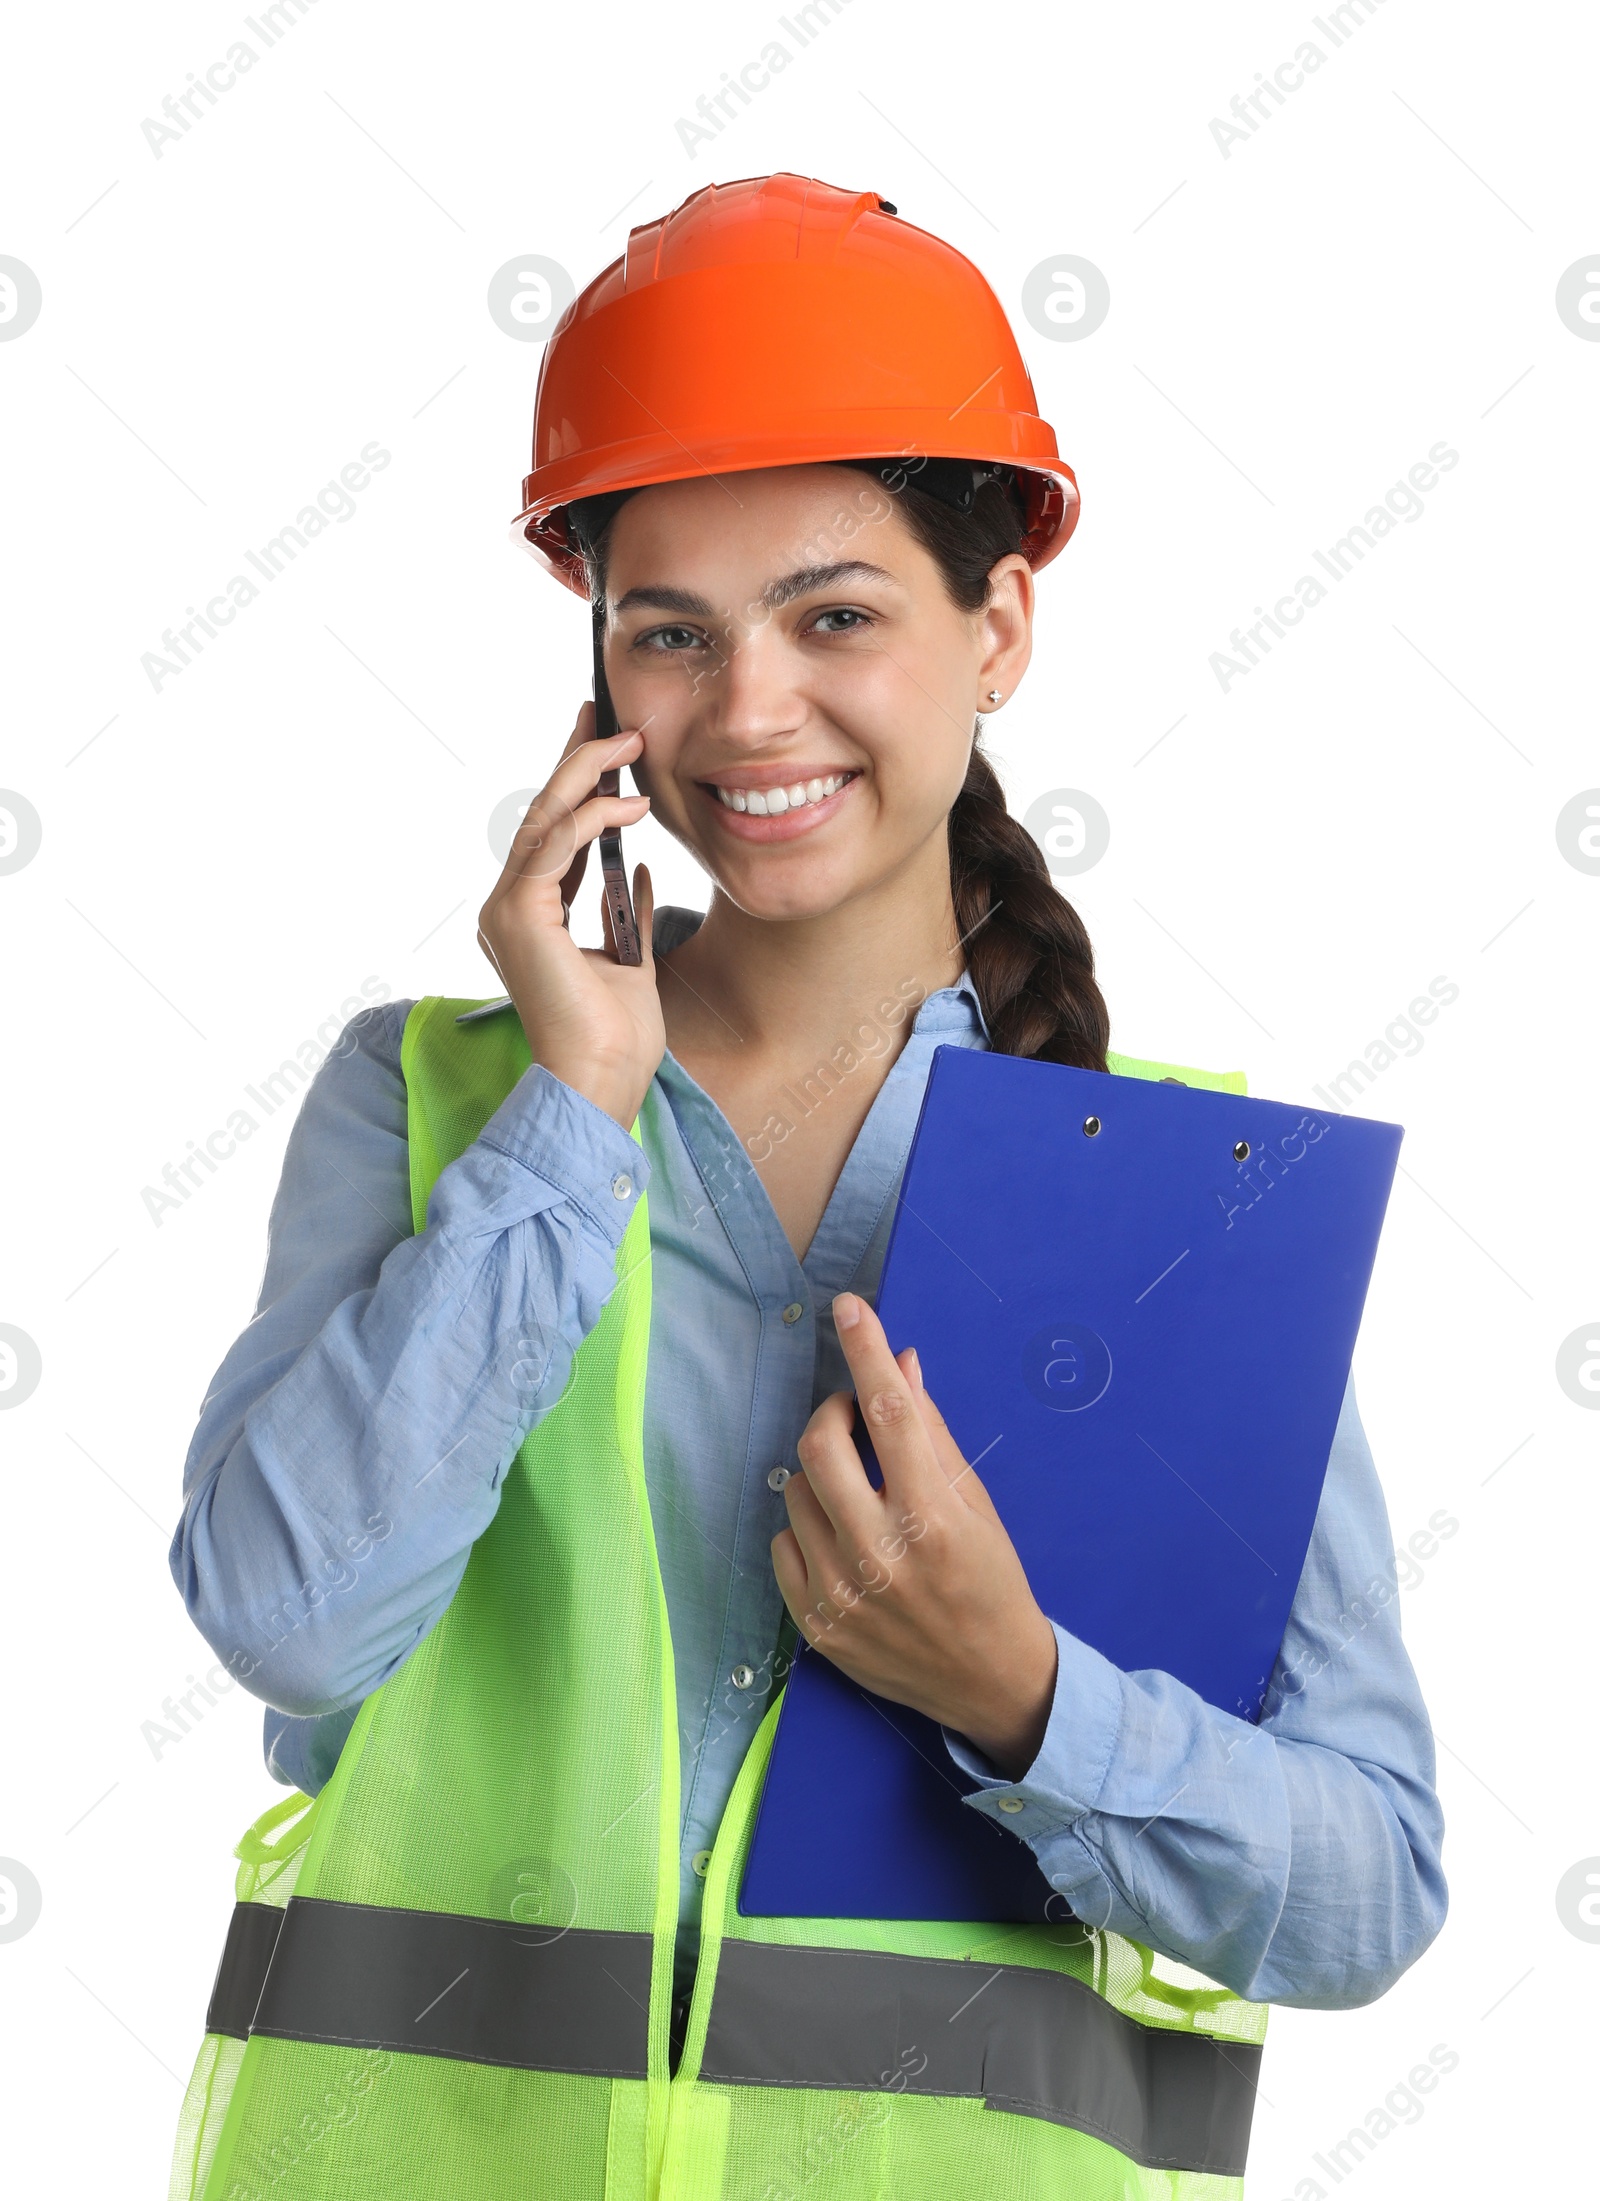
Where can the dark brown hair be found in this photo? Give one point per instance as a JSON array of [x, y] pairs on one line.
[[1025, 944]]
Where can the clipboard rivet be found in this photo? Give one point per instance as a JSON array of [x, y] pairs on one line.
[[1091, 1127], [1241, 1152]]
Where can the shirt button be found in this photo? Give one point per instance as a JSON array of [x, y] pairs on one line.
[[621, 1186], [1012, 1804], [793, 1312], [777, 1477], [699, 1862], [742, 1677]]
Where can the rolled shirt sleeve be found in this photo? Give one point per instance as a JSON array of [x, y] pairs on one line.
[[1294, 1861], [353, 1443]]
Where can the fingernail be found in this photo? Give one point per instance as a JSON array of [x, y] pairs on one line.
[[916, 1367], [846, 1310]]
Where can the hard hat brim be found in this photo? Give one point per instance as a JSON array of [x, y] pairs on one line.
[[541, 528]]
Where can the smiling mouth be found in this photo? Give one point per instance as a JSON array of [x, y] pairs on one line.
[[775, 802]]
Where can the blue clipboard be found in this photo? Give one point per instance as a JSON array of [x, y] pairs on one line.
[[1135, 1303]]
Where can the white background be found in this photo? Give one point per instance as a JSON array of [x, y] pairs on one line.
[[1291, 328]]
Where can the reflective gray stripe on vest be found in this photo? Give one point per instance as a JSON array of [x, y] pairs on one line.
[[437, 1984], [1036, 2043], [1031, 2042], [252, 1935]]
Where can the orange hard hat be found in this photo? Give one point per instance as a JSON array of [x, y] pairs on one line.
[[782, 322]]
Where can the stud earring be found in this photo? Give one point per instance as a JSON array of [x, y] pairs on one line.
[[994, 695]]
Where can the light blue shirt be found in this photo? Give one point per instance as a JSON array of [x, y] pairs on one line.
[[353, 1445]]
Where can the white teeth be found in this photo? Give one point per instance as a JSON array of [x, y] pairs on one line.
[[774, 801]]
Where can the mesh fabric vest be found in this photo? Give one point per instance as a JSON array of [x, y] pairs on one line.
[[450, 1975]]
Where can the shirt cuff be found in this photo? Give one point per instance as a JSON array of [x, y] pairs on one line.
[[562, 1136], [1066, 1779]]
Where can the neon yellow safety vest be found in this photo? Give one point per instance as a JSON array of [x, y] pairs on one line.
[[449, 1977]]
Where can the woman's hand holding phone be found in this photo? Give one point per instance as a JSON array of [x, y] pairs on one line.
[[592, 1022]]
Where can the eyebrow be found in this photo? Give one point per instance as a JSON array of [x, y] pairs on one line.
[[804, 581]]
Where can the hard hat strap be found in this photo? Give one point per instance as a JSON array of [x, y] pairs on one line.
[[954, 482], [588, 517]]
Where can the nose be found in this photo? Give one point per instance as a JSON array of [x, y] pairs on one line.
[[752, 690]]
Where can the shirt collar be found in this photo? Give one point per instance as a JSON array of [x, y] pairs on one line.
[[955, 1008]]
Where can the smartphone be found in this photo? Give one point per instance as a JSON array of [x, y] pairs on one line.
[[614, 875]]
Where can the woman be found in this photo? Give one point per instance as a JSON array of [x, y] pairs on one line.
[[520, 1616]]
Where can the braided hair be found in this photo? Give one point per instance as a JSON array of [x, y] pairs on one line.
[[1026, 947]]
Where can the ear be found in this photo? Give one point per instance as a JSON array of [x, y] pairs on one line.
[[1005, 630]]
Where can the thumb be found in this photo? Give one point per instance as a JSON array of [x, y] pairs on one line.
[[644, 906]]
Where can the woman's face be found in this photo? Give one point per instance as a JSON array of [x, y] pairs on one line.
[[773, 632]]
